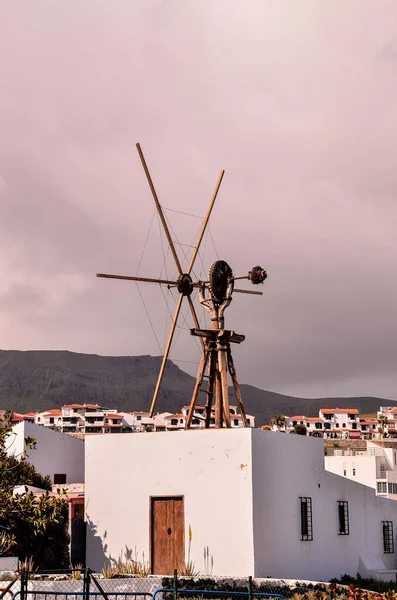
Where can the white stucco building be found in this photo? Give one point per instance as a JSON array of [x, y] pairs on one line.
[[263, 503], [376, 466], [56, 454], [137, 421]]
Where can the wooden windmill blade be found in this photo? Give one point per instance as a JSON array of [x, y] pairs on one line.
[[184, 283], [187, 277]]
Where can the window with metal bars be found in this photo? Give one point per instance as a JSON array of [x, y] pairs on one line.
[[388, 541], [306, 519], [343, 517]]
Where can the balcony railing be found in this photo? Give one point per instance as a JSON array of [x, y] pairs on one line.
[[352, 452]]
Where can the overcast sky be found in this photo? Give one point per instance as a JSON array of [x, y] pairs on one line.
[[296, 100]]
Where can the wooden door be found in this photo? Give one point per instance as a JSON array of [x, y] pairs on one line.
[[167, 534]]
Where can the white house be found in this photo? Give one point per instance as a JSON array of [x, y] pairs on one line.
[[56, 454], [376, 466], [263, 504], [51, 418], [137, 421]]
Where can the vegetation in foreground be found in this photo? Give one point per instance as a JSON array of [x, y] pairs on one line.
[[30, 528]]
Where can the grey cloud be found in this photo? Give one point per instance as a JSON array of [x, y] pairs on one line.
[[296, 104]]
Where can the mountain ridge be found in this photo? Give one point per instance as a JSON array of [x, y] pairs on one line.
[[33, 380]]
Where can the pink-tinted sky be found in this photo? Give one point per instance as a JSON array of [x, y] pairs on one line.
[[297, 101]]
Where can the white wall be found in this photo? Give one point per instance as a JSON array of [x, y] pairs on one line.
[[211, 469], [55, 452], [364, 465], [241, 490], [287, 467]]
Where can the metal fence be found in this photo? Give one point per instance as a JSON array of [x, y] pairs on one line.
[[85, 585]]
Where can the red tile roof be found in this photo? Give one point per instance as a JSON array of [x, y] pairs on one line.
[[176, 416], [16, 417], [81, 406], [331, 411]]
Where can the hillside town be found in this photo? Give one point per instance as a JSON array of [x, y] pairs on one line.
[[330, 424]]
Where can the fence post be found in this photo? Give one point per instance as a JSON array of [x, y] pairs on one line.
[[250, 587], [175, 585], [24, 580], [86, 584]]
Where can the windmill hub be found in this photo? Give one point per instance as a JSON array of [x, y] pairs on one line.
[[219, 278], [184, 284]]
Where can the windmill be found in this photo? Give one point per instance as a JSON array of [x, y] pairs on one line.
[[216, 357]]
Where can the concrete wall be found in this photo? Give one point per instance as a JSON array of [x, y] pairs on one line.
[[211, 469], [286, 467], [54, 453]]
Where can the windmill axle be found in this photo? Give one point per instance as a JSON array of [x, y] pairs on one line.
[[185, 284]]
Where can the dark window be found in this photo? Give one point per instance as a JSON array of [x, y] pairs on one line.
[[308, 425], [212, 421], [236, 422], [354, 472], [51, 420], [174, 421], [306, 519], [343, 424], [59, 478], [138, 417], [388, 542], [343, 516], [195, 421], [327, 426], [354, 425]]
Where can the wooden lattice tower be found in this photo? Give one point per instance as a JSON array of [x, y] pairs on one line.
[[216, 360]]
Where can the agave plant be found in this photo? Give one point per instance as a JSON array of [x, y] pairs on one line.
[[6, 543]]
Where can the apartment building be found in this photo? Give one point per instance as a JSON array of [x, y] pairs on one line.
[[178, 420], [335, 423], [375, 467], [81, 418]]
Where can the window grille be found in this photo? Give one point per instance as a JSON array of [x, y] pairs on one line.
[[59, 478], [388, 541], [306, 519], [343, 516], [381, 487]]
